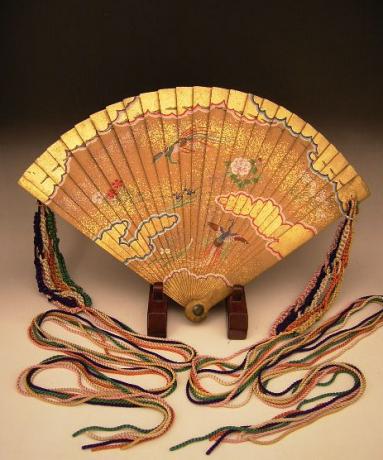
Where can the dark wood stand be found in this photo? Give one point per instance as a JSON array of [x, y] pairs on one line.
[[157, 311], [237, 318], [236, 310]]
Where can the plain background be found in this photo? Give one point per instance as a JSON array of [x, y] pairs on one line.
[[62, 61]]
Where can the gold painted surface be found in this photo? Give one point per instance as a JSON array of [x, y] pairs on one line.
[[200, 188]]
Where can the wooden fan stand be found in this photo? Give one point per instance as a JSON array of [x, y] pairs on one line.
[[236, 310]]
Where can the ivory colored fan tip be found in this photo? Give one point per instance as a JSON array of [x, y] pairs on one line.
[[198, 188]]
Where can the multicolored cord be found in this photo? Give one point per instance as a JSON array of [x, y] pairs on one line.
[[115, 349], [312, 351], [321, 290]]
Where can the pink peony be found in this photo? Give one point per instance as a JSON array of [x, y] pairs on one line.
[[240, 166]]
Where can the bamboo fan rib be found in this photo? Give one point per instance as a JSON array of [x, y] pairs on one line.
[[200, 188]]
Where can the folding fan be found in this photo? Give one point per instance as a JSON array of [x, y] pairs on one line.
[[199, 188]]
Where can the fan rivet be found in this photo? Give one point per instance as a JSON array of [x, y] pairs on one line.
[[198, 309]]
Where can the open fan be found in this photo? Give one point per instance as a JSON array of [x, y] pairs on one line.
[[199, 188]]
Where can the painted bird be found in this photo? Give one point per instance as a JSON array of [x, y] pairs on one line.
[[213, 251], [182, 145]]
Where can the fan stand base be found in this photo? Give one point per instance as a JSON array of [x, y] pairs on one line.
[[237, 318], [236, 310], [157, 316]]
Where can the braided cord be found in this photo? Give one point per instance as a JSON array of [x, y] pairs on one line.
[[277, 357], [322, 289], [114, 350]]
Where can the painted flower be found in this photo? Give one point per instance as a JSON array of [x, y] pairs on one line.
[[243, 171], [117, 184], [164, 251], [97, 198], [111, 194], [240, 166]]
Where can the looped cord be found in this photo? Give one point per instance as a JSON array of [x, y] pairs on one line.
[[114, 350], [312, 351]]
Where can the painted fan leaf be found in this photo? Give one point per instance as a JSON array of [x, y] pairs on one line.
[[200, 188]]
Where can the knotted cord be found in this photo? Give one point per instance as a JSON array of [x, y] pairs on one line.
[[116, 350]]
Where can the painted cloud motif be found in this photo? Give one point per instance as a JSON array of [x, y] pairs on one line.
[[268, 221], [140, 246]]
